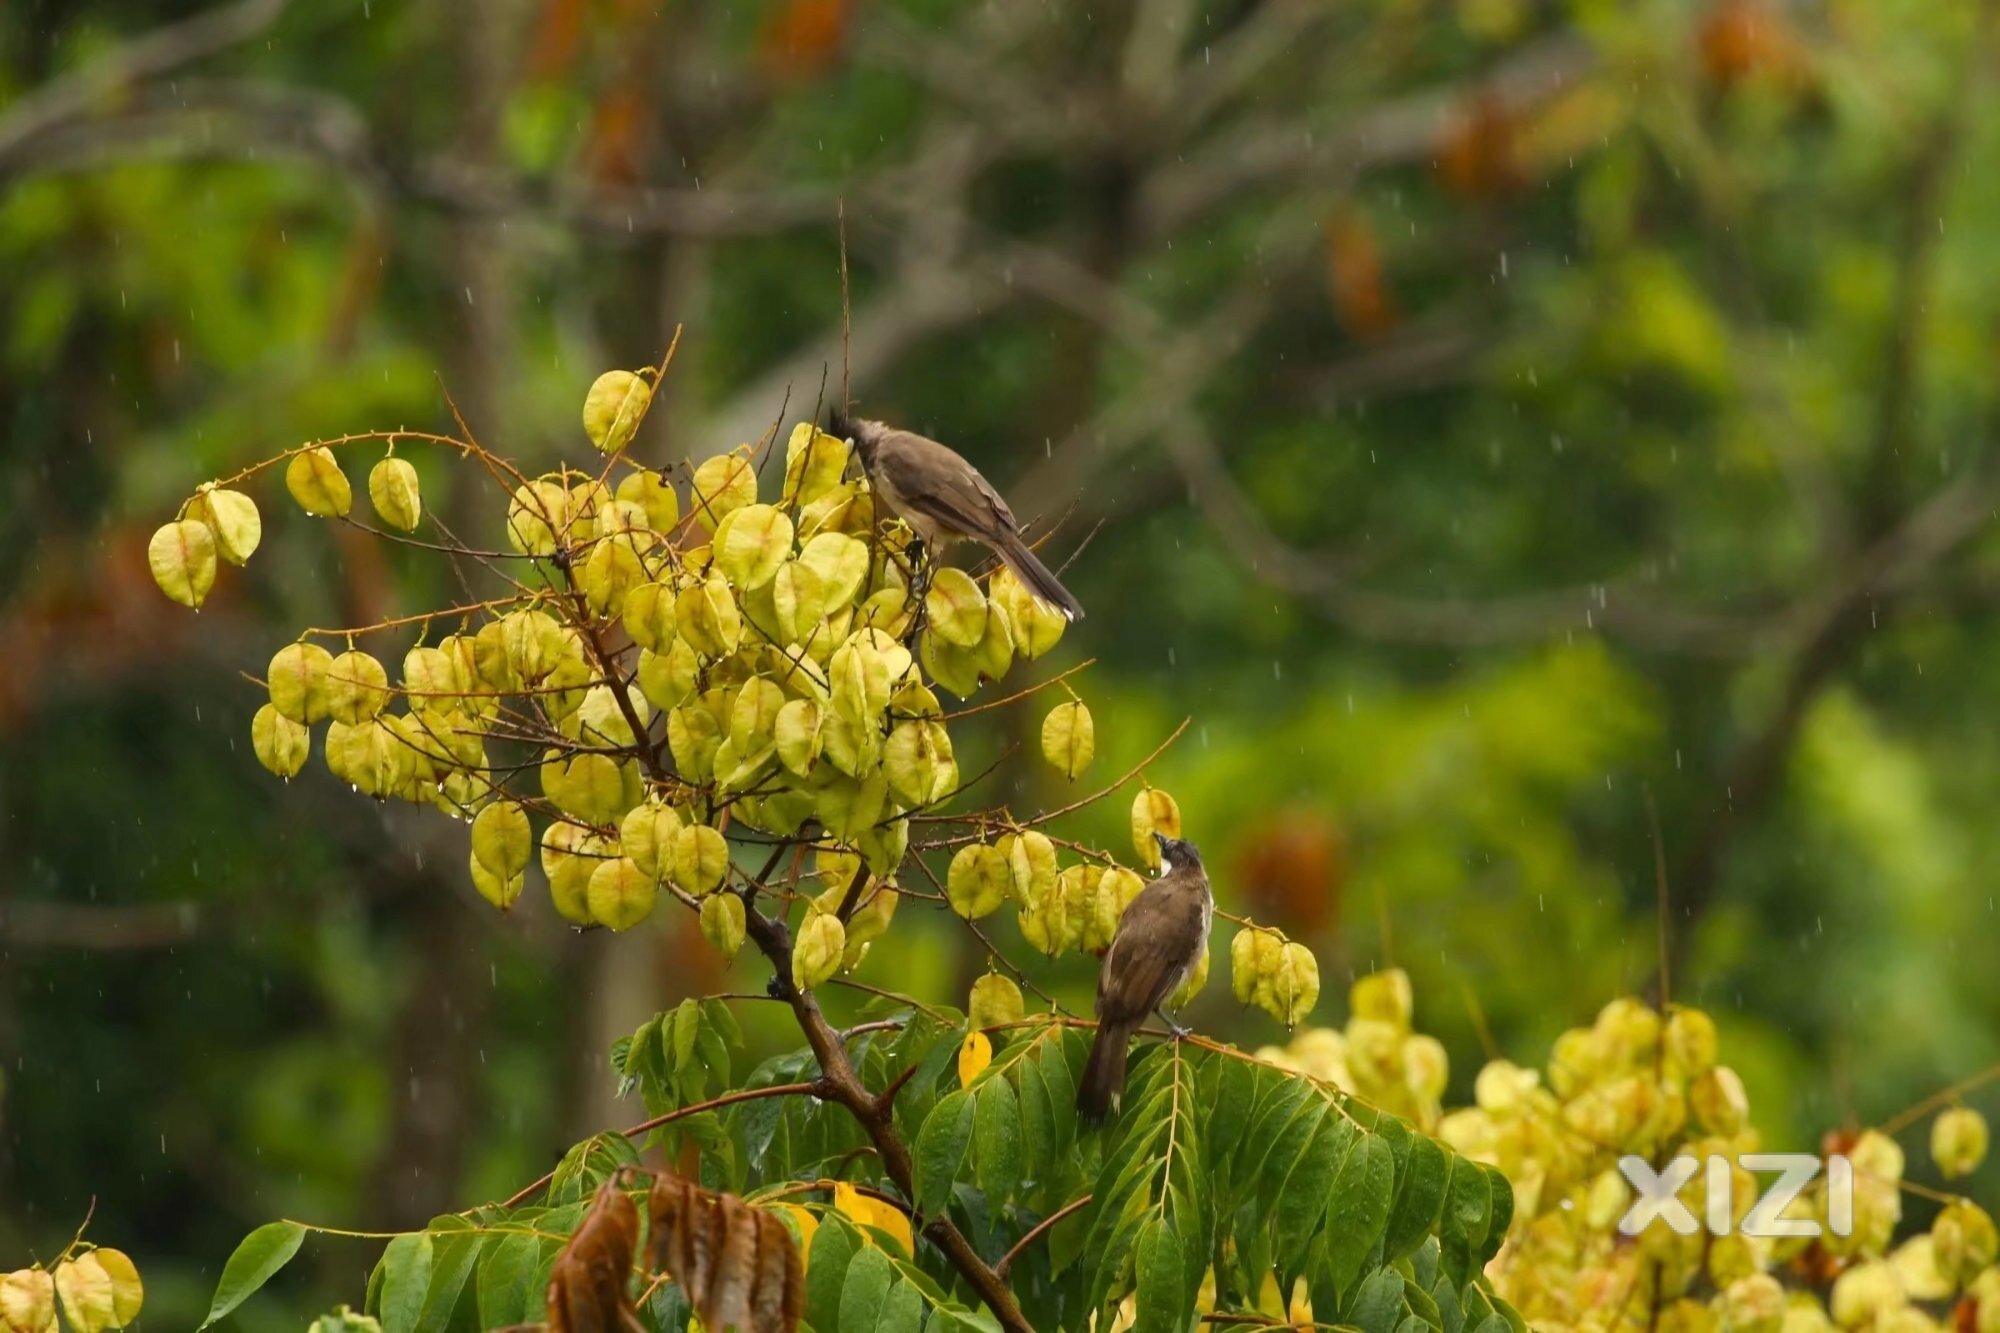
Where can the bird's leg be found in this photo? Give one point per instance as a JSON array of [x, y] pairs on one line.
[[920, 582], [1180, 1031]]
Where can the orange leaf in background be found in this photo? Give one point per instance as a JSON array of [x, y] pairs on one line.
[[803, 37], [1475, 154], [1359, 285], [1292, 867], [1740, 39], [558, 35]]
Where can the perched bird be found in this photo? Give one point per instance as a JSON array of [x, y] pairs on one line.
[[944, 499], [1159, 940]]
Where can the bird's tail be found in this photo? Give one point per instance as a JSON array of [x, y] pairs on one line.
[[1040, 581], [1103, 1073]]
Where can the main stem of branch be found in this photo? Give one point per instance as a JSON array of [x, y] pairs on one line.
[[877, 1117]]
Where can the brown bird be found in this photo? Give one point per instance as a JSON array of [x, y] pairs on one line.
[[944, 499], [1159, 940]]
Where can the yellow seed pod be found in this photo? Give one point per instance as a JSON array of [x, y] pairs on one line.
[[1031, 864], [1963, 1241], [431, 680], [995, 653], [798, 598], [722, 923], [668, 679], [649, 615], [589, 786], [655, 495], [500, 890], [918, 761], [28, 1301], [84, 1289], [977, 881], [1095, 901], [1986, 1294], [887, 609], [1120, 886], [1069, 740], [619, 894], [751, 544], [701, 859], [836, 867], [1691, 1041], [1049, 921], [318, 485], [817, 951], [627, 517], [949, 665], [1037, 626], [1753, 1303], [501, 838], [1958, 1141], [1294, 988], [753, 716], [609, 573], [706, 615], [357, 688], [613, 409], [799, 735], [814, 464], [1153, 811], [693, 737], [1719, 1102], [535, 514], [722, 485], [871, 917], [570, 854], [956, 608], [1197, 978], [1253, 954], [647, 834], [297, 677], [841, 563], [182, 558], [393, 490], [1385, 996], [280, 744], [994, 1000], [232, 521]]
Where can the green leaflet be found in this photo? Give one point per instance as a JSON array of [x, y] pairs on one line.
[[833, 1248], [1419, 1197], [1358, 1210], [253, 1263], [996, 1139], [863, 1293], [406, 1278], [1468, 1204], [504, 1285], [940, 1151]]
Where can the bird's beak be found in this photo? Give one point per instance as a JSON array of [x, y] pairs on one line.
[[1164, 841]]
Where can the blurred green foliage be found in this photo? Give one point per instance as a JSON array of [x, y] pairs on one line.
[[1497, 414]]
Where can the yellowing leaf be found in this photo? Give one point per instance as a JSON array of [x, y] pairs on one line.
[[232, 520], [182, 557], [974, 1054], [1069, 740], [392, 489], [613, 409], [315, 480]]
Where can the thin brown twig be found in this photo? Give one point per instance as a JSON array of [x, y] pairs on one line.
[[1039, 1230]]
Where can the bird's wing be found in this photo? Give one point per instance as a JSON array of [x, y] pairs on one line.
[[933, 478], [1158, 938]]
